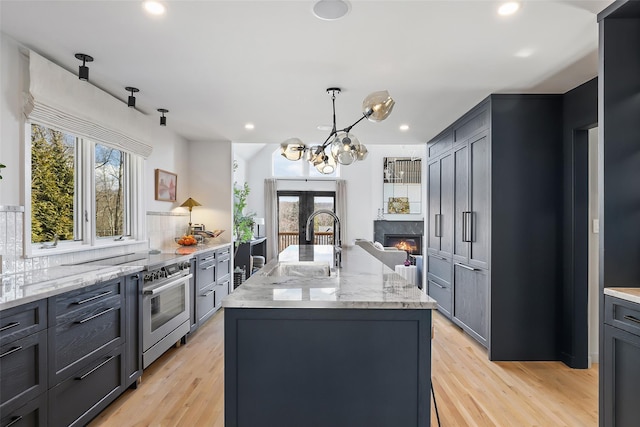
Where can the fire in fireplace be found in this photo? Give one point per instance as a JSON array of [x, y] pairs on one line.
[[412, 243]]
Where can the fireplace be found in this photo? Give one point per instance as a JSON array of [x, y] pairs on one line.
[[412, 243]]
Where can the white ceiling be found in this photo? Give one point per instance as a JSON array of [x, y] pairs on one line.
[[217, 65]]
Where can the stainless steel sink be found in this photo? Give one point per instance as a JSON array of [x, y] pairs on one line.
[[300, 269]]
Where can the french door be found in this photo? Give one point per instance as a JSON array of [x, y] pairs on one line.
[[295, 207]]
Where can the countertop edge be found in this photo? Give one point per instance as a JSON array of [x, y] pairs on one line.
[[72, 282], [387, 305], [627, 294]]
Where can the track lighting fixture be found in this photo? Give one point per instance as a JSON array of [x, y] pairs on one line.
[[163, 119], [343, 147], [131, 102], [83, 71]]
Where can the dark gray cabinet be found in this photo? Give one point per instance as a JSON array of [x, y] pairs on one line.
[[223, 275], [133, 331], [65, 358], [205, 286], [211, 283], [439, 275], [471, 300], [472, 201], [23, 362], [440, 212], [505, 237], [82, 324], [621, 363]]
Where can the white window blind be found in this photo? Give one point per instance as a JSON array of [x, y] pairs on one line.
[[57, 98]]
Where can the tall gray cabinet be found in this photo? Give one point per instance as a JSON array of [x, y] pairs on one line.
[[494, 210]]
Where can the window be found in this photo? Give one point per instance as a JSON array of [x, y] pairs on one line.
[[81, 191]]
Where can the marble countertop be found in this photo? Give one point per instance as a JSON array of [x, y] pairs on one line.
[[21, 288], [628, 294], [362, 282]]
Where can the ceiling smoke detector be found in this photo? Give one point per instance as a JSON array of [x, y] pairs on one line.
[[330, 10]]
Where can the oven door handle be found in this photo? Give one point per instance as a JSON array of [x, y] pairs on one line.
[[172, 284]]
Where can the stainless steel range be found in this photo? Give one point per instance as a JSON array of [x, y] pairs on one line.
[[165, 307], [165, 298]]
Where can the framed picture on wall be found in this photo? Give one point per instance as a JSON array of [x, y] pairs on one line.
[[166, 186]]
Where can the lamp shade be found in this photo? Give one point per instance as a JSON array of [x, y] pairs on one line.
[[344, 148], [377, 106], [190, 203], [292, 149], [258, 221]]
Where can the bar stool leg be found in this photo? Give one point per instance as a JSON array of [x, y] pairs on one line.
[[435, 405]]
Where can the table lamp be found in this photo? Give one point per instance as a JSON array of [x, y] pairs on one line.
[[258, 222], [190, 203]]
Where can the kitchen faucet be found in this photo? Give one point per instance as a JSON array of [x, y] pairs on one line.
[[337, 242]]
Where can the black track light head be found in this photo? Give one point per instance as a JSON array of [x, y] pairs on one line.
[[131, 102], [83, 71], [163, 119]]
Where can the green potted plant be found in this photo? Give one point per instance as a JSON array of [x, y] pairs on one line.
[[242, 223]]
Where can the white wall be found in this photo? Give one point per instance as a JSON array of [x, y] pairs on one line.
[[211, 171], [364, 186], [13, 79]]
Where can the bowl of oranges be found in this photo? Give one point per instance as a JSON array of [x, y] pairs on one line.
[[187, 240]]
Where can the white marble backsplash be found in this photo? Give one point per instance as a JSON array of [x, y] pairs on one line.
[[162, 228]]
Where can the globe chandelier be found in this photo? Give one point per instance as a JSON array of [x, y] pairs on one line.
[[341, 146]]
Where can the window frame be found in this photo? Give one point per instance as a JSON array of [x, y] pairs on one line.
[[84, 199]]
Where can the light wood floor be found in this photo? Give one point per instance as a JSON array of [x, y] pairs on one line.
[[185, 387]]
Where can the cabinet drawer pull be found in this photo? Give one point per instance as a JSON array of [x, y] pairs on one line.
[[438, 285], [9, 326], [13, 350], [631, 318], [210, 267], [81, 377], [15, 420], [208, 258], [93, 298], [208, 293], [135, 276], [466, 267], [96, 315], [439, 257]]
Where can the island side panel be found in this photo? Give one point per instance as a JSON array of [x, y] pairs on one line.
[[320, 367]]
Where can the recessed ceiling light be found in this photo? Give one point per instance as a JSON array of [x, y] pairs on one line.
[[154, 7], [524, 53], [330, 10], [508, 8], [404, 128], [249, 126]]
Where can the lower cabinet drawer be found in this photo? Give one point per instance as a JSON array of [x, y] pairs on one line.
[[222, 290], [98, 328], [442, 294], [26, 319], [440, 267], [622, 314], [205, 303], [77, 400], [23, 371], [33, 414]]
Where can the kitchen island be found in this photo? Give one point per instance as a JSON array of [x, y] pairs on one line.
[[303, 348]]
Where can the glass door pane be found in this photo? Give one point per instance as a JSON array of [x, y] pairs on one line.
[[288, 221], [323, 225]]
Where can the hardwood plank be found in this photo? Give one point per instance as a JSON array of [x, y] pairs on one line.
[[185, 387]]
